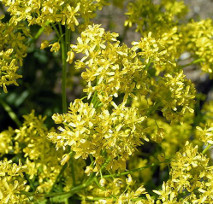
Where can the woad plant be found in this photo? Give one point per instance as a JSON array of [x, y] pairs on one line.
[[140, 131]]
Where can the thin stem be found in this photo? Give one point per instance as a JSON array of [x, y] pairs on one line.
[[58, 177], [105, 164], [94, 98], [99, 186], [91, 159], [134, 170], [206, 149], [193, 62], [73, 168], [38, 34], [56, 31], [127, 172], [67, 37], [73, 190], [30, 182], [68, 194], [156, 124], [10, 112], [64, 71]]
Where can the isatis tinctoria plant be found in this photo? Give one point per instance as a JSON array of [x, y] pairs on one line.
[[140, 133]]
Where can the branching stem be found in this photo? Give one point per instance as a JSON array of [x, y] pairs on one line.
[[10, 112]]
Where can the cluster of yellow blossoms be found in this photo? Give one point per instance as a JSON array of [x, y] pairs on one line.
[[190, 178], [198, 36], [134, 131], [53, 11], [167, 14], [12, 51], [111, 68], [12, 182], [100, 133]]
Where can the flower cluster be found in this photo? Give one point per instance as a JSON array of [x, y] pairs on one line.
[[6, 141], [130, 132], [53, 11], [167, 13], [110, 67], [96, 133], [198, 37], [12, 51], [12, 182], [117, 190], [190, 178], [113, 69], [174, 94], [161, 51], [204, 131], [31, 139]]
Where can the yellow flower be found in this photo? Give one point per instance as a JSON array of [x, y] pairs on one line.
[[44, 44], [12, 182], [70, 57], [90, 132], [55, 47], [12, 52]]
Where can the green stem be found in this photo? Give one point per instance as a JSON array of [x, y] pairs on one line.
[[95, 100], [127, 172], [91, 159], [64, 195], [62, 171], [65, 41], [30, 182], [94, 97], [206, 149], [193, 62], [99, 186], [64, 71], [67, 194], [73, 190], [134, 170], [73, 168], [58, 177], [10, 112], [56, 31], [38, 34], [67, 37]]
